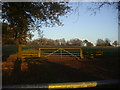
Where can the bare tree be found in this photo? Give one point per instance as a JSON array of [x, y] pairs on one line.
[[62, 42], [57, 42], [107, 42], [41, 35], [115, 43], [90, 44], [76, 42], [100, 42], [85, 42]]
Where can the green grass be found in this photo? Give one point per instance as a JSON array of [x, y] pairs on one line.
[[106, 51]]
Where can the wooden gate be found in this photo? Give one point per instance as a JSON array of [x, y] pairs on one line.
[[47, 52], [74, 52]]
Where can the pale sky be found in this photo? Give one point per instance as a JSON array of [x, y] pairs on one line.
[[102, 25]]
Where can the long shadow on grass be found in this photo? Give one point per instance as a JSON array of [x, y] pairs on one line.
[[47, 72]]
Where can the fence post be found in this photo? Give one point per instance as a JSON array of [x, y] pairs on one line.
[[81, 54], [61, 53], [19, 50], [39, 52]]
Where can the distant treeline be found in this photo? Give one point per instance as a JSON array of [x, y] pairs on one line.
[[63, 42], [73, 42]]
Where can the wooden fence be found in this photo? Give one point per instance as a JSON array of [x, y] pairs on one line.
[[48, 51]]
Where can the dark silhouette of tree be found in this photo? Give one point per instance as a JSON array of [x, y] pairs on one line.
[[90, 44], [75, 42], [62, 42], [57, 42], [107, 42], [68, 43], [100, 42], [22, 17], [85, 42], [8, 35], [96, 6], [115, 43]]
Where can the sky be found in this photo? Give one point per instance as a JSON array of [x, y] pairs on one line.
[[86, 25]]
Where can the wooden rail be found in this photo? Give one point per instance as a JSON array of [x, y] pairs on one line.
[[23, 54], [63, 49]]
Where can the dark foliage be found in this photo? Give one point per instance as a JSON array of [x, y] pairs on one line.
[[23, 16]]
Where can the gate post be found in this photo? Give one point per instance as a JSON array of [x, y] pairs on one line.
[[81, 54], [39, 52], [19, 51], [61, 52]]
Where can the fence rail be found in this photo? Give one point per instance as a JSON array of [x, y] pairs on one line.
[[46, 52]]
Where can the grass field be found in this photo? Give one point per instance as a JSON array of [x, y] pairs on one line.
[[56, 69]]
